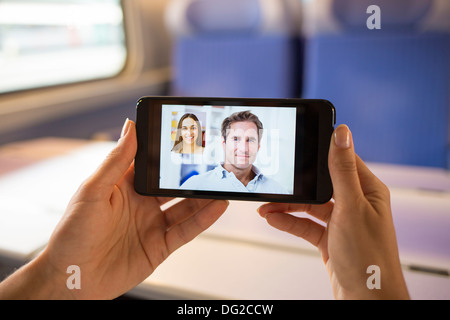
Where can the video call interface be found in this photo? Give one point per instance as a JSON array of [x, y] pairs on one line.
[[228, 148]]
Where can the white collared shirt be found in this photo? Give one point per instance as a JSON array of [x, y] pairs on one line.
[[219, 179]]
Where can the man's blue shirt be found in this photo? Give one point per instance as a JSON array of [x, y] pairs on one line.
[[219, 179]]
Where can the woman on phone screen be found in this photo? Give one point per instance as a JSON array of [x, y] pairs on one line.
[[189, 138]]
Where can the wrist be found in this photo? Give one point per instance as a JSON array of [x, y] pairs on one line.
[[391, 286], [35, 281]]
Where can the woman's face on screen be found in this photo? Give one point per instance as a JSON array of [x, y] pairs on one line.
[[189, 131]]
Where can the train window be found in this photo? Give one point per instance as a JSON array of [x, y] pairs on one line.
[[51, 42]]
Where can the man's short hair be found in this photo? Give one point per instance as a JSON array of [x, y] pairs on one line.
[[241, 116]]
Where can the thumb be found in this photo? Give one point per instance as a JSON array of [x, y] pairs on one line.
[[116, 163], [342, 166]]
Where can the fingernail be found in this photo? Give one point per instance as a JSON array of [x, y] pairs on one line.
[[342, 137], [125, 128], [262, 214]]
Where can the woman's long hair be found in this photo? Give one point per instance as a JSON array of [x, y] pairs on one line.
[[178, 145]]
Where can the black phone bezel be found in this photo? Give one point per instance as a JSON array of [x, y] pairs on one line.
[[311, 154]]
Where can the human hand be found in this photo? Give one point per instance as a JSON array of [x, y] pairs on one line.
[[116, 236], [359, 228]]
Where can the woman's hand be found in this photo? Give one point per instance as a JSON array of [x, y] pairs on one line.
[[359, 229], [115, 236]]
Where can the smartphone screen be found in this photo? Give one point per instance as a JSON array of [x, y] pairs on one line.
[[232, 148]]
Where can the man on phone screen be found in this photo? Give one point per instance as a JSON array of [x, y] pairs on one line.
[[241, 136]]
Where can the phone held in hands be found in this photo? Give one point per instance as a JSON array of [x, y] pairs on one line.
[[234, 148]]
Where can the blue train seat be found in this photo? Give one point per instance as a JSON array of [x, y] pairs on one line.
[[237, 48], [390, 85]]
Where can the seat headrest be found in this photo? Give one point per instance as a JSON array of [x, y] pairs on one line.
[[338, 16], [395, 14], [187, 17], [214, 16]]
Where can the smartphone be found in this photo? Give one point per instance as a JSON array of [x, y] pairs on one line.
[[234, 148]]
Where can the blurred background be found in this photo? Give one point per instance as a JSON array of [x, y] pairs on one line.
[[71, 71], [61, 62]]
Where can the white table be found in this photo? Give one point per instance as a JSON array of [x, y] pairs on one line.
[[239, 257]]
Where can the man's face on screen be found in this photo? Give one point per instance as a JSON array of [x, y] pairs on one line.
[[241, 145]]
